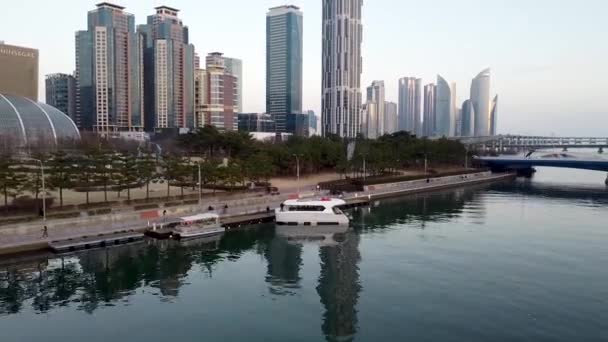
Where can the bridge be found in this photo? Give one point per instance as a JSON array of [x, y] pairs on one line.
[[504, 143], [526, 164]]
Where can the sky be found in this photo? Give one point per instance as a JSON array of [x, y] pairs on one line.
[[549, 58]]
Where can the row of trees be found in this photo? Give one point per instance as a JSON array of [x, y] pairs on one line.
[[224, 159]]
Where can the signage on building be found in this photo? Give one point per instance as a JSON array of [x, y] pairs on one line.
[[17, 53]]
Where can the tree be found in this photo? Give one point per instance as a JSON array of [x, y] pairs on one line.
[[61, 173], [11, 181], [146, 169], [102, 162], [259, 167], [85, 175], [174, 170], [130, 172]]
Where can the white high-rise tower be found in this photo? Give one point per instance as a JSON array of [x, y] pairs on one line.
[[341, 88]]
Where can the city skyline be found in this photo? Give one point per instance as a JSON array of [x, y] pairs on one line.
[[525, 81]]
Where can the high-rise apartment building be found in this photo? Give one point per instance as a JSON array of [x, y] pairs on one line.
[[430, 103], [467, 119], [109, 72], [391, 118], [61, 93], [494, 116], [19, 71], [342, 66], [480, 98], [169, 77], [234, 67], [376, 95], [443, 109], [410, 106], [216, 95], [284, 56]]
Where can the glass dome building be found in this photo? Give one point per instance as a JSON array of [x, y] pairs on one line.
[[26, 122]]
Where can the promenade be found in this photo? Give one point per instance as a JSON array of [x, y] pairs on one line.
[[28, 236]]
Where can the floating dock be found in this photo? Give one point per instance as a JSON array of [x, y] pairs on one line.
[[99, 241]]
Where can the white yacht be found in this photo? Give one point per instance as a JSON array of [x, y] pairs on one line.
[[198, 226], [311, 212]]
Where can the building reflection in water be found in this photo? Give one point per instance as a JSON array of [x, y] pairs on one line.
[[338, 282]]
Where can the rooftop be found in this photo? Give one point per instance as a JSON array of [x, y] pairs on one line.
[[166, 7], [108, 4]]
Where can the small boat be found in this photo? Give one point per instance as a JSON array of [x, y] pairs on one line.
[[312, 212], [198, 226]]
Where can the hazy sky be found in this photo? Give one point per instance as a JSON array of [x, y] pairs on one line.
[[549, 58]]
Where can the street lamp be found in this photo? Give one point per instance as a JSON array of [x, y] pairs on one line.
[[43, 187], [298, 156], [200, 186]]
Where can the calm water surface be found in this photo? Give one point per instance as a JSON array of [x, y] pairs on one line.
[[523, 261]]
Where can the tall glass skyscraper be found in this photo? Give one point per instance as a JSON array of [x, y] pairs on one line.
[[443, 108], [480, 98], [342, 65], [109, 72], [430, 102], [376, 95], [410, 106], [284, 49], [494, 116], [467, 119], [169, 80], [234, 67]]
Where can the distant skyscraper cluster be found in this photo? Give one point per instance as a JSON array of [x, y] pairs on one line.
[[432, 111]]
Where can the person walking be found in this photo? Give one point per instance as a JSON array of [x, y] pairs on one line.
[[45, 232]]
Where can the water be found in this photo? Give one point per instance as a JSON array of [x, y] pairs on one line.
[[523, 261]]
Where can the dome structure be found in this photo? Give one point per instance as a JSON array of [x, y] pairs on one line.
[[26, 122]]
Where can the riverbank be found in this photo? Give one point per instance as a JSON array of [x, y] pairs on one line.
[[27, 237]]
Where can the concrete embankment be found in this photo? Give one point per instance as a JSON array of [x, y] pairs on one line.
[[27, 237]]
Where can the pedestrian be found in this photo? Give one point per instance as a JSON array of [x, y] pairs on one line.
[[45, 232], [267, 209], [282, 207]]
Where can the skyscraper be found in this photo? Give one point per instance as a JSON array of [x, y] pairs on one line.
[[454, 117], [169, 80], [376, 97], [61, 93], [391, 120], [234, 67], [410, 96], [480, 99], [467, 119], [284, 49], [443, 109], [109, 72], [342, 64], [430, 103], [494, 116]]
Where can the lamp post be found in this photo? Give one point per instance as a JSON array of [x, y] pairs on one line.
[[200, 186], [298, 170]]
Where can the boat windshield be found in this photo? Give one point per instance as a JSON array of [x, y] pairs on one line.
[[313, 208], [204, 222]]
